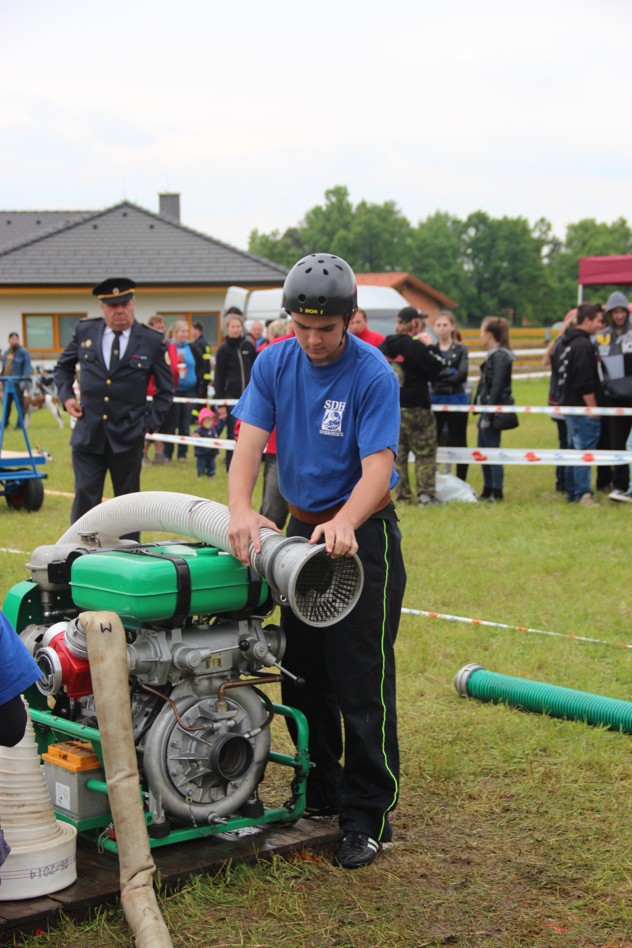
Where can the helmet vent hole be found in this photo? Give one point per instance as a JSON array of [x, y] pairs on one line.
[[322, 300], [338, 265], [301, 297], [309, 270], [326, 272]]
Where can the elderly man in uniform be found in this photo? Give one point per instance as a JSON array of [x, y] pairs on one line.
[[112, 358]]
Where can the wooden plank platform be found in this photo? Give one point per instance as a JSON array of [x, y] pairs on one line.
[[98, 874]]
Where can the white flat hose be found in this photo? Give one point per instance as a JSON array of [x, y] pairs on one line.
[[107, 654]]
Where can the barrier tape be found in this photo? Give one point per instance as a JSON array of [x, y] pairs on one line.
[[482, 353], [566, 458], [517, 376], [220, 402], [553, 410], [513, 628], [197, 442]]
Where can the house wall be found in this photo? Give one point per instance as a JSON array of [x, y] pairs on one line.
[[14, 305]]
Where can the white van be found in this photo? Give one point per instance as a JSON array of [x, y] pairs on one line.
[[380, 303]]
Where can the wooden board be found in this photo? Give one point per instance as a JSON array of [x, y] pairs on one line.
[[98, 874]]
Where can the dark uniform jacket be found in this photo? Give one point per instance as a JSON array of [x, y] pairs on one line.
[[115, 405]]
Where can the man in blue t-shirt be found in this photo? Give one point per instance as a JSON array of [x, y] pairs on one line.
[[335, 403]]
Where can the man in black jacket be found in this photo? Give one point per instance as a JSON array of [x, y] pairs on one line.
[[576, 362], [415, 364], [112, 359]]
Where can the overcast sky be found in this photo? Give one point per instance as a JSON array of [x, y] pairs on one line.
[[251, 110]]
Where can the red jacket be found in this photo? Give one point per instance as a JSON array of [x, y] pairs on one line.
[[173, 361]]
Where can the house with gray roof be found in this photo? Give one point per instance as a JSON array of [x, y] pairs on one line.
[[50, 260]]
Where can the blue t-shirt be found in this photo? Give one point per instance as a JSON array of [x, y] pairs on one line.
[[190, 380], [328, 417], [18, 670]]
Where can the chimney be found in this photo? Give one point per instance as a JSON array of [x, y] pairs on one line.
[[170, 207]]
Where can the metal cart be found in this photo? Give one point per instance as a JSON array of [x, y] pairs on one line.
[[20, 480]]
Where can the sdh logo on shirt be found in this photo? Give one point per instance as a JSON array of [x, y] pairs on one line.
[[332, 419]]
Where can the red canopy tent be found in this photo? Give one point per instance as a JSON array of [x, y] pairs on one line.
[[604, 270]]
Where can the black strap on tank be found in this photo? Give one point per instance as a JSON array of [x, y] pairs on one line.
[[183, 581], [255, 583]]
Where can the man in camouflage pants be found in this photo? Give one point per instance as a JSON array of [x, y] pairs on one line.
[[414, 364]]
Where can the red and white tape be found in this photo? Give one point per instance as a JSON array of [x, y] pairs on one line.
[[513, 628], [555, 411], [566, 458]]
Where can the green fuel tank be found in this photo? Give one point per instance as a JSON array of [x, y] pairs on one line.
[[165, 581]]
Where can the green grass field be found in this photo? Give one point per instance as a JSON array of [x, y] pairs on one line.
[[512, 828]]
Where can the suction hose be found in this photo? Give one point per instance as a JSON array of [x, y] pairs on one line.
[[107, 654], [320, 590], [474, 681]]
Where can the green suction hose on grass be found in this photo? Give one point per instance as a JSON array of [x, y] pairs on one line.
[[474, 681]]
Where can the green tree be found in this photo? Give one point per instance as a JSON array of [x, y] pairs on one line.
[[371, 237], [586, 238], [325, 226], [379, 238], [488, 265], [284, 249], [505, 267], [438, 257]]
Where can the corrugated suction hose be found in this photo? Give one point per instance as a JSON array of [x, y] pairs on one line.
[[474, 681]]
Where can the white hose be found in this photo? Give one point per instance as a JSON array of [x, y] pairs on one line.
[[184, 514], [107, 654]]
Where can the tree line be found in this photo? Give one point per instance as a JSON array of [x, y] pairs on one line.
[[501, 266]]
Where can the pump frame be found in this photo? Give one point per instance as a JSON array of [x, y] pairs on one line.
[[50, 728]]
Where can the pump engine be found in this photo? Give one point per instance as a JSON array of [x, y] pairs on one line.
[[195, 626]]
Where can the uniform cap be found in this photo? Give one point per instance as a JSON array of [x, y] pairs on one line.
[[115, 290]]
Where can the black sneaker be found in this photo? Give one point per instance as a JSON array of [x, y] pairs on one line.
[[356, 850]]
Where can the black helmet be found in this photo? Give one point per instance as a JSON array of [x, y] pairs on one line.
[[321, 285]]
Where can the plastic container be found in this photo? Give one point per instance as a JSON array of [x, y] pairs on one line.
[[153, 587]]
